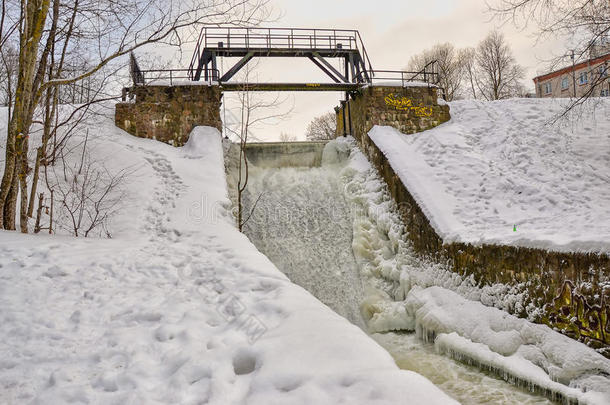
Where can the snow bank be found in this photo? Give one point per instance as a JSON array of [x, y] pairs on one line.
[[179, 307], [499, 165]]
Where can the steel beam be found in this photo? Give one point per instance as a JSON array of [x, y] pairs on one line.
[[321, 66], [330, 67], [347, 87], [351, 65], [214, 68], [242, 62], [365, 72], [203, 61], [358, 71]]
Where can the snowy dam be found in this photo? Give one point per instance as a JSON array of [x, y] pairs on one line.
[[324, 218]]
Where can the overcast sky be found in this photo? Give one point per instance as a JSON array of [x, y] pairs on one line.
[[393, 31]]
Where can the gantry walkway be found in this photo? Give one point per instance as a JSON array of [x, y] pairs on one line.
[[315, 44], [340, 54]]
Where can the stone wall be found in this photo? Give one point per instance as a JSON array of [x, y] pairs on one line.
[[408, 109], [169, 113], [571, 289]]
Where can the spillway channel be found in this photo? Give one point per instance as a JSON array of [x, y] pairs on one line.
[[303, 220]]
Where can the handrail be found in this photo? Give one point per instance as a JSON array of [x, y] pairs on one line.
[[278, 37], [365, 55], [176, 74], [404, 77], [196, 54], [424, 71]]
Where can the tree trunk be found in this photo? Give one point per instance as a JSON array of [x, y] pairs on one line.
[[34, 16], [35, 182], [8, 213], [239, 210], [38, 213], [7, 178], [51, 215], [23, 211]]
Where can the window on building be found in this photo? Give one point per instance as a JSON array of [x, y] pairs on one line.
[[565, 83], [582, 78], [547, 88], [605, 93], [603, 71]]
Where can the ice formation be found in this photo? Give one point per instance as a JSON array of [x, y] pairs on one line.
[[407, 293]]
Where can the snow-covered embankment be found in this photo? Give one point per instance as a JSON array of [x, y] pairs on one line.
[[503, 173], [179, 307]]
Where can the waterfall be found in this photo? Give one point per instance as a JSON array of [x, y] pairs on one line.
[[334, 231]]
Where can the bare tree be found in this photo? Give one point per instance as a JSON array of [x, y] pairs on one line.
[[64, 120], [9, 60], [322, 128], [584, 23], [286, 137], [254, 110], [497, 74], [448, 64], [100, 31], [88, 193], [467, 61]]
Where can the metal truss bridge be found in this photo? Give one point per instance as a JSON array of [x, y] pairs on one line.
[[320, 46]]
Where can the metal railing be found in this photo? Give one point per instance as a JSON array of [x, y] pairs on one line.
[[278, 38], [427, 75], [162, 76]]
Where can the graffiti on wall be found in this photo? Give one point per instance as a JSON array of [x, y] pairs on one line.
[[406, 104], [571, 313]]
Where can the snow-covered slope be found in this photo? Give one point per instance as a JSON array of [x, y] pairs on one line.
[[179, 307], [499, 172]]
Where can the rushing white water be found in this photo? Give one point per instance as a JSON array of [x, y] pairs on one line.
[[307, 223], [302, 223], [466, 384]]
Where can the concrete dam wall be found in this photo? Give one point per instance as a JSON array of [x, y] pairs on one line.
[[285, 154]]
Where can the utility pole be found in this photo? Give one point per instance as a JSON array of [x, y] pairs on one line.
[[573, 74]]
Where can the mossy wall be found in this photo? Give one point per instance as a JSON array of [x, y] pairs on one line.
[[169, 113]]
